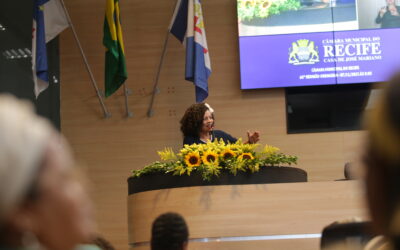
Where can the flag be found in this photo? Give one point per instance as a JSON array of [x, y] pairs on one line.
[[115, 66], [49, 19], [187, 25]]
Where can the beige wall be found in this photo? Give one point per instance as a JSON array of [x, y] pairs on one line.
[[110, 148]]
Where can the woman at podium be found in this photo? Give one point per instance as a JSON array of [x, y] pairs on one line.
[[197, 126]]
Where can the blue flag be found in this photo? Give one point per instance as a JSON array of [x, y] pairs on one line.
[[39, 53], [187, 25], [49, 20]]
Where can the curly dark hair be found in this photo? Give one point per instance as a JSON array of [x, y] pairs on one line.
[[192, 120], [169, 232]]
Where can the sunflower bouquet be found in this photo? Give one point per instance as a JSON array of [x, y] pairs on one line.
[[249, 9], [213, 157]]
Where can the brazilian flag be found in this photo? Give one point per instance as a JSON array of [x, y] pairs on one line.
[[115, 66]]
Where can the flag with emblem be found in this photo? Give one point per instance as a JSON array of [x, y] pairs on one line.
[[115, 65], [187, 25], [49, 19]]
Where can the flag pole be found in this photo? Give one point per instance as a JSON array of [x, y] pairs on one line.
[[150, 111], [107, 114], [156, 90], [127, 92]]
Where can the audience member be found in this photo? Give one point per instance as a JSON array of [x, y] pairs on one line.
[[42, 203], [351, 233], [169, 232], [382, 163]]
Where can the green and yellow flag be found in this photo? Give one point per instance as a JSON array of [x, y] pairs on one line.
[[115, 66]]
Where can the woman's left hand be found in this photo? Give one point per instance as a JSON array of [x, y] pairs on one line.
[[253, 137]]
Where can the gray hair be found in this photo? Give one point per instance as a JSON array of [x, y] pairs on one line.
[[24, 137]]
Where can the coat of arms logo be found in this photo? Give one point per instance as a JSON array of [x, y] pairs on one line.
[[303, 51]]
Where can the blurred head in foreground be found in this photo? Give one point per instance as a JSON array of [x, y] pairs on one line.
[[382, 160], [169, 232], [42, 204]]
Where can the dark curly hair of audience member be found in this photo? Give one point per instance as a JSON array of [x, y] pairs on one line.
[[169, 232], [192, 120]]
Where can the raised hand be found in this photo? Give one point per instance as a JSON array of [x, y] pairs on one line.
[[382, 11], [253, 137]]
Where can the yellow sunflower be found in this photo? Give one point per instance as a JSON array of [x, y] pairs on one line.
[[192, 159], [248, 3], [227, 154], [210, 158], [263, 8], [246, 156], [265, 5]]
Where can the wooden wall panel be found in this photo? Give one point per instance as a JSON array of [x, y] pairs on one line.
[[248, 210], [288, 244], [111, 148]]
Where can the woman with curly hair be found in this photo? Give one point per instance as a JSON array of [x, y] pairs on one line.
[[197, 126]]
